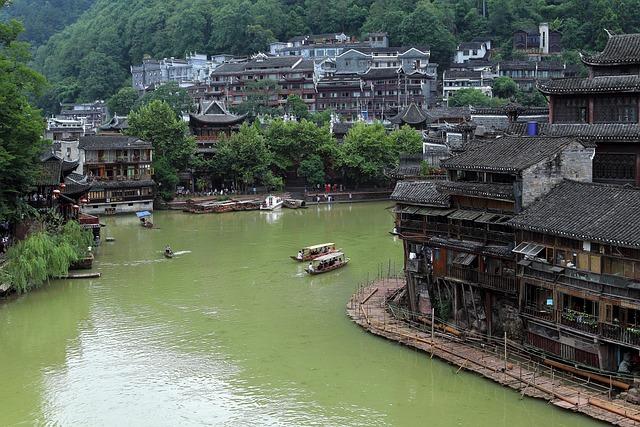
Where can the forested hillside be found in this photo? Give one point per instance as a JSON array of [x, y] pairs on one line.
[[90, 58], [43, 18]]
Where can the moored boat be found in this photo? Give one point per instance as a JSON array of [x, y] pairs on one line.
[[271, 203], [327, 263], [294, 204], [315, 251]]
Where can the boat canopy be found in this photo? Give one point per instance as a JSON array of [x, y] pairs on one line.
[[329, 257], [143, 214], [320, 246]]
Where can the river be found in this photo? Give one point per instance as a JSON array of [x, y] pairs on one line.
[[232, 332]]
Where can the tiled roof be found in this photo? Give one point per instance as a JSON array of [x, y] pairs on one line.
[[584, 131], [421, 193], [51, 171], [531, 65], [111, 142], [467, 74], [620, 49], [440, 113], [117, 123], [499, 191], [381, 73], [470, 46], [411, 114], [604, 84], [215, 113], [585, 211], [507, 154]]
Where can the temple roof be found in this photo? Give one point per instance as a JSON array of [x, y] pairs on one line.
[[214, 112], [116, 124], [620, 49], [508, 154], [76, 184], [411, 114], [586, 211], [600, 84], [421, 193]]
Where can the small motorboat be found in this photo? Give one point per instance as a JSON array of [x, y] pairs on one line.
[[294, 204], [327, 263], [168, 252], [271, 203], [312, 252]]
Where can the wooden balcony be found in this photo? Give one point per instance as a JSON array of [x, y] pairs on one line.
[[484, 280], [619, 333], [583, 322], [540, 313]]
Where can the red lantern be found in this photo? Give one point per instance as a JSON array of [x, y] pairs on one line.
[[76, 207], [84, 201], [56, 193], [63, 185]]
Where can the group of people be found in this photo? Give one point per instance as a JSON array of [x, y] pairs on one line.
[[323, 264]]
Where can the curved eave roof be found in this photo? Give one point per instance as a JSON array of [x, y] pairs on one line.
[[623, 49], [600, 84], [218, 119]]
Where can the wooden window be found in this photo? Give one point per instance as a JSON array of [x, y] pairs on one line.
[[570, 110], [614, 167], [595, 264], [615, 109]]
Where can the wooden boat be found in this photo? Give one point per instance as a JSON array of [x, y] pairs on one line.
[[294, 204], [82, 276], [145, 220], [327, 263], [271, 203], [247, 205], [168, 253], [223, 206], [312, 252], [83, 264]]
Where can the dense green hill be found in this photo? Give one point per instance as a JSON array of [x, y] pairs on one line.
[[43, 18], [91, 57]]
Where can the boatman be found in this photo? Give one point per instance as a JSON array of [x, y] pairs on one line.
[[299, 255], [310, 267]]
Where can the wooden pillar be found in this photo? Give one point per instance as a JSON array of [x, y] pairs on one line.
[[590, 112], [488, 304], [455, 303], [551, 99]]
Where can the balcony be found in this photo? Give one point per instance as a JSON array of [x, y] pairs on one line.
[[485, 280], [626, 335], [579, 321], [540, 313]]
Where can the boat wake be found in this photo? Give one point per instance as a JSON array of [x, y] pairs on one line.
[[181, 252]]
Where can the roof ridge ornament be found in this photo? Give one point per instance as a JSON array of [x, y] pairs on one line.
[[609, 33]]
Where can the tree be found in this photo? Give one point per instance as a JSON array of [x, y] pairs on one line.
[[123, 101], [504, 87], [296, 106], [365, 152], [312, 169], [474, 97], [174, 96], [406, 140], [157, 123], [21, 125], [99, 74]]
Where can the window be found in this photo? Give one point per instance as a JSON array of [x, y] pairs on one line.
[[619, 109]]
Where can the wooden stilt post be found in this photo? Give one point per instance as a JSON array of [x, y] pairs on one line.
[[433, 324], [505, 355]]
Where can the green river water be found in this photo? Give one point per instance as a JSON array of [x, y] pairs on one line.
[[232, 332]]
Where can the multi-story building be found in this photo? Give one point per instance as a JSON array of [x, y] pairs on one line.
[[195, 68], [578, 252], [211, 123], [477, 49], [292, 75], [119, 167], [527, 73], [603, 109], [93, 114], [453, 81], [538, 42], [457, 239]]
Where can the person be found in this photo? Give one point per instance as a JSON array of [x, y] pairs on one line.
[[625, 365], [310, 267], [299, 256]]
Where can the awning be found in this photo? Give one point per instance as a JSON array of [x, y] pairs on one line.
[[142, 214], [464, 259], [529, 249], [492, 218], [434, 212], [464, 214]]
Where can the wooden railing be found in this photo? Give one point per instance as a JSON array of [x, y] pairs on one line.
[[486, 280], [548, 315]]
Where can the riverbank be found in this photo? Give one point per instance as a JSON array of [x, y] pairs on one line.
[[368, 309]]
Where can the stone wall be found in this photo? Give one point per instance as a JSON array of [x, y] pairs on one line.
[[574, 162]]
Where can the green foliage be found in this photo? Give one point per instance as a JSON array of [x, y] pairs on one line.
[[406, 140], [123, 101], [365, 152], [296, 106], [504, 87], [157, 123], [21, 125], [257, 102], [474, 97], [531, 99], [312, 168], [172, 94], [45, 254]]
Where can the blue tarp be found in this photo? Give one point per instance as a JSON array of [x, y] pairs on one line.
[[143, 214]]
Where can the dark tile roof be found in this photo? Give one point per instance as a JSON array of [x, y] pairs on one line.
[[411, 114], [116, 124], [466, 74], [229, 67], [420, 193], [507, 154], [342, 128], [585, 132], [111, 142], [470, 46], [586, 211], [532, 65], [76, 184], [50, 173], [625, 83], [100, 185], [620, 49], [472, 247], [440, 113], [214, 112], [499, 191], [380, 73]]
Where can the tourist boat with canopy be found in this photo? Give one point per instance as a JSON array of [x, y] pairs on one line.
[[145, 219], [315, 251], [327, 263], [271, 203]]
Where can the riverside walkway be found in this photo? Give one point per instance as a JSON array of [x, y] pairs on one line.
[[501, 363]]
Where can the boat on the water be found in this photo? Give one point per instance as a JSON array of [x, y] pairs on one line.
[[315, 251], [271, 203], [327, 263], [294, 204], [168, 252], [145, 219]]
